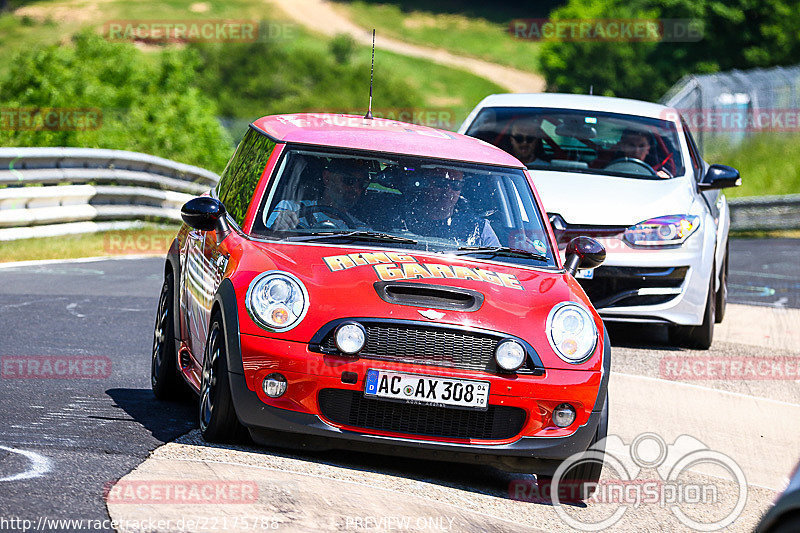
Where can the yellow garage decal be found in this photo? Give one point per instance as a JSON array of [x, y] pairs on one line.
[[392, 266]]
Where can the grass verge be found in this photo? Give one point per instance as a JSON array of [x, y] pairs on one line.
[[769, 164], [150, 240], [459, 34]]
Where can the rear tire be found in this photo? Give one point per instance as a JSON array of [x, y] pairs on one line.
[[698, 337], [218, 420], [165, 380]]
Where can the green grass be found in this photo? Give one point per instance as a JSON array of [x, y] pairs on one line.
[[148, 240], [460, 34], [448, 92], [769, 163]]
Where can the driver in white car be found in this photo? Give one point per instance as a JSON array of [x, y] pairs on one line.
[[636, 144], [344, 185]]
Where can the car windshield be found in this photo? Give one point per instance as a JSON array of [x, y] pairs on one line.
[[405, 202], [583, 141]]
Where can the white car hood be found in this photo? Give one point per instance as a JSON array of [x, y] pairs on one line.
[[597, 200]]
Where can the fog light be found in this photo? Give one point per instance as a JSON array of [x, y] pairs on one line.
[[274, 385], [350, 337], [563, 415], [510, 355]]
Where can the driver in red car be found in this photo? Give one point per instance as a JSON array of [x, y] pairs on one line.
[[636, 144], [343, 185]]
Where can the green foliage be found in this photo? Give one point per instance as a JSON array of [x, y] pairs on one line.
[[342, 47], [271, 77], [737, 34], [148, 104]]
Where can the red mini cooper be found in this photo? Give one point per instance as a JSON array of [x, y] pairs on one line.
[[371, 284]]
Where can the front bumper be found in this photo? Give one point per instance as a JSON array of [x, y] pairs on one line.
[[659, 285], [297, 418]]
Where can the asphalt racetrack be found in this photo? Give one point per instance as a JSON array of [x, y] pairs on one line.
[[65, 442]]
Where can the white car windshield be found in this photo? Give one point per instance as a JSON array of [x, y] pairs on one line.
[[583, 141], [405, 202]]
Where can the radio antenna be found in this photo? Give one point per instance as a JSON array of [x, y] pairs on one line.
[[371, 73]]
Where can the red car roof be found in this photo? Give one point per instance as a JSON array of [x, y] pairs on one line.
[[381, 135]]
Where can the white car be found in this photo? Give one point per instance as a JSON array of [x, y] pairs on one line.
[[629, 174]]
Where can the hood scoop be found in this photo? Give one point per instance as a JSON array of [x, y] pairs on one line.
[[428, 295]]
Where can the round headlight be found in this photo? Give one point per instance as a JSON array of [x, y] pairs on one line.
[[571, 332], [350, 337], [277, 301], [510, 355]]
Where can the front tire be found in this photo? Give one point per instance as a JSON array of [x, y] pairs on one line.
[[582, 480], [699, 337], [722, 293], [166, 382], [218, 421]]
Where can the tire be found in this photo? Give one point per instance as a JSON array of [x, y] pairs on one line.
[[165, 379], [699, 337], [722, 293], [583, 479], [217, 414]]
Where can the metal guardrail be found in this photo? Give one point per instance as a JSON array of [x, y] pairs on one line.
[[765, 212], [57, 191]]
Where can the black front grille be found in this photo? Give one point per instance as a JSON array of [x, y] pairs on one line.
[[433, 345], [618, 286], [353, 409]]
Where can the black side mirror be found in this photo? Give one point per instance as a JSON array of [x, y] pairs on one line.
[[720, 177], [584, 253], [206, 214]]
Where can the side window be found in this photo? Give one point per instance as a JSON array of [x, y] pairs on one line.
[[240, 178], [697, 163]]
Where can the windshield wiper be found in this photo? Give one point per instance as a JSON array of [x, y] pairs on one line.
[[353, 235], [499, 250]]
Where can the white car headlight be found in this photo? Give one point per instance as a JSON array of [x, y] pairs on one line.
[[663, 231], [571, 332], [276, 301]]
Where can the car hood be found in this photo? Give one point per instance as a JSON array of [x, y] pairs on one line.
[[516, 300], [597, 200]]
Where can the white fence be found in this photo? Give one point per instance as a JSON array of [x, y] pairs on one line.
[[56, 191]]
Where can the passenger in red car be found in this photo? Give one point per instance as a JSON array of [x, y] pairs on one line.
[[432, 211]]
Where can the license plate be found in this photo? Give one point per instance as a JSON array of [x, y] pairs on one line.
[[433, 390], [584, 274]]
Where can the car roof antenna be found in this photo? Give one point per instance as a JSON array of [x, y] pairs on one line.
[[591, 90], [371, 72]]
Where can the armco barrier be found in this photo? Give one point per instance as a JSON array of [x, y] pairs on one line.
[[765, 212], [55, 191]]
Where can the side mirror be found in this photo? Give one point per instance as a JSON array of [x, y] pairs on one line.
[[584, 253], [720, 177], [206, 214]]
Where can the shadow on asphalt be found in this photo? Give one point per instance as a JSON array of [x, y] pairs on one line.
[[166, 421], [641, 336]]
